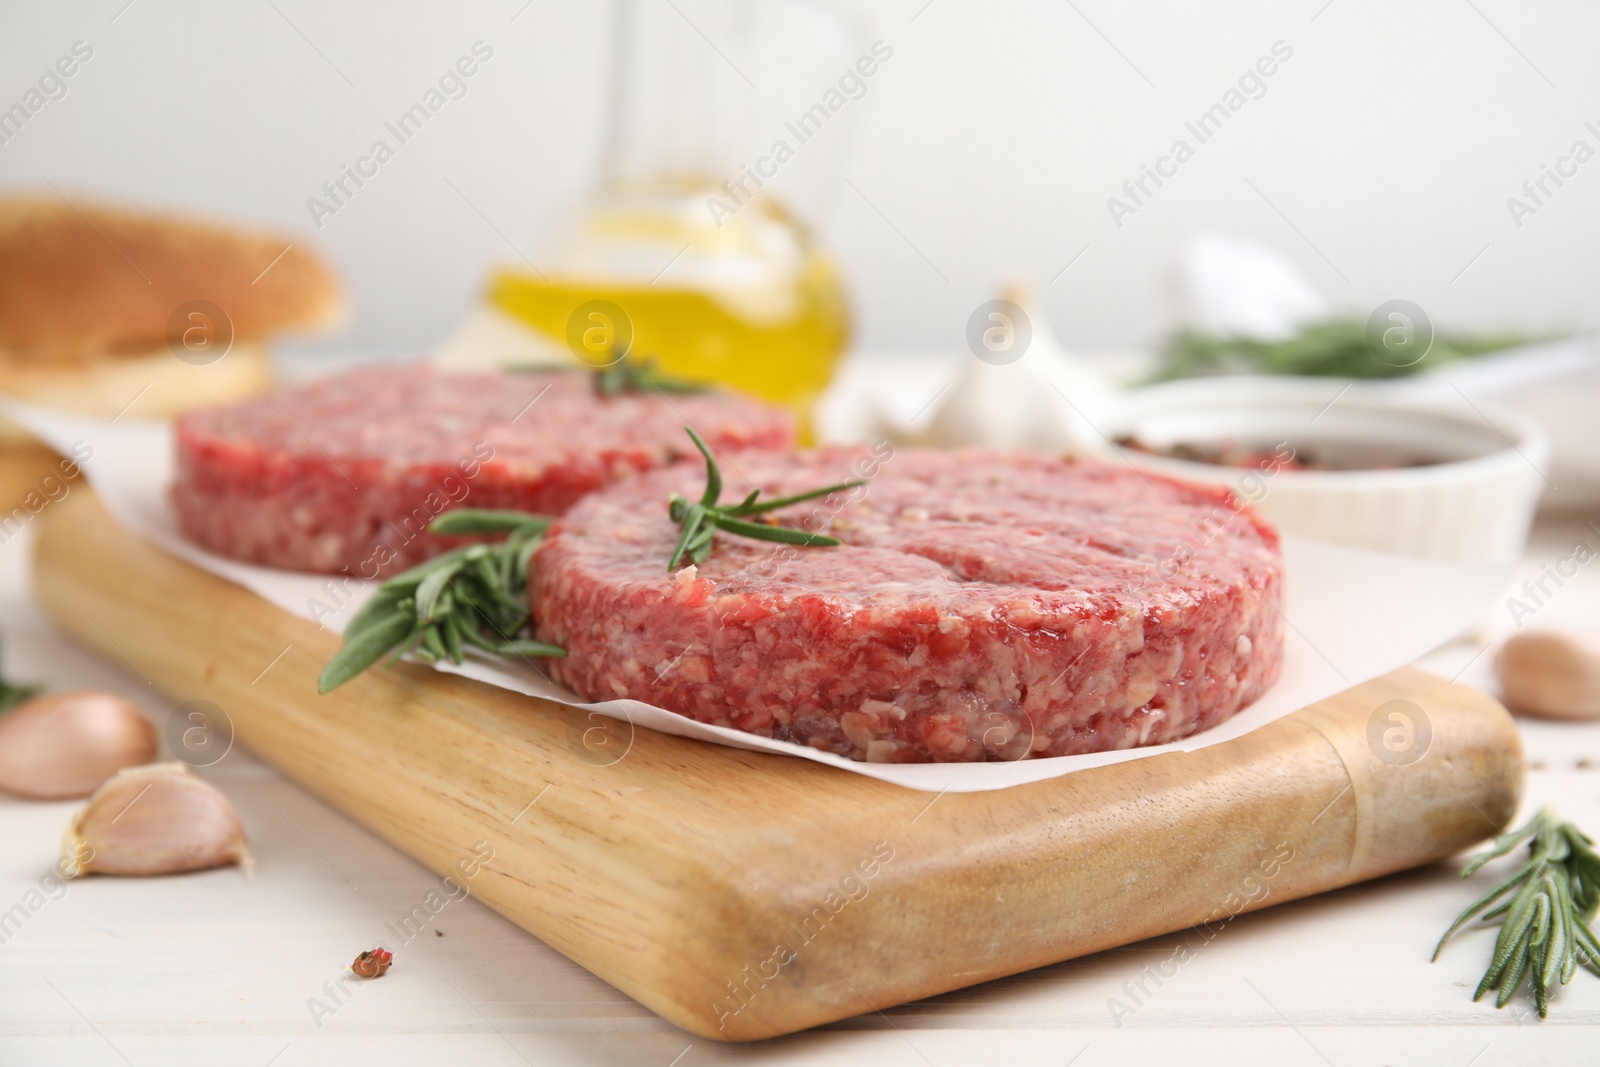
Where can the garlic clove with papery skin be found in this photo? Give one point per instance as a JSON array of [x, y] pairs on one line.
[[159, 819], [1552, 674], [65, 745]]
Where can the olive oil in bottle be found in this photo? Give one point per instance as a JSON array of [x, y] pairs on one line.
[[751, 304]]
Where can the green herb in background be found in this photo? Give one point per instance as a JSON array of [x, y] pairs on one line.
[[12, 694], [1337, 349], [700, 521], [1544, 928], [638, 376], [623, 376], [475, 595]]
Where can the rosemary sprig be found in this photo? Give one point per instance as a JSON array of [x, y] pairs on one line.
[[623, 376], [474, 595], [12, 694], [640, 376], [1544, 930], [700, 521], [1336, 348]]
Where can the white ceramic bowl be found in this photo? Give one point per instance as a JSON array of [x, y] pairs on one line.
[[1474, 505]]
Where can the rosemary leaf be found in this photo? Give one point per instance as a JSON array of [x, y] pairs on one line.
[[1508, 988], [1513, 935], [433, 644], [1556, 922], [530, 648], [524, 556], [1502, 845], [462, 522], [713, 493], [784, 534], [1482, 902], [691, 516], [412, 642], [750, 507], [451, 629], [471, 636], [378, 607], [1587, 943], [1495, 913], [415, 575], [431, 589], [361, 653]]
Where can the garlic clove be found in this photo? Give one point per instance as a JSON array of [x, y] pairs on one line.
[[1551, 673], [66, 744], [159, 819]]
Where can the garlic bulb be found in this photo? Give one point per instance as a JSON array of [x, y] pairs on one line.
[[159, 819], [67, 744], [1041, 398]]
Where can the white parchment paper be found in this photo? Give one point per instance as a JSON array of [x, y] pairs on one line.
[[1352, 616]]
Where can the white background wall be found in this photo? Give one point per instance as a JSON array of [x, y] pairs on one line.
[[1383, 153]]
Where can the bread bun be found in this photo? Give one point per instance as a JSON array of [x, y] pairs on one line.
[[79, 282], [149, 385], [111, 313]]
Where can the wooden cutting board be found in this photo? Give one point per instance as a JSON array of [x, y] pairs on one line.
[[744, 895]]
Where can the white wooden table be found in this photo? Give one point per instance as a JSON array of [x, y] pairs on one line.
[[218, 968]]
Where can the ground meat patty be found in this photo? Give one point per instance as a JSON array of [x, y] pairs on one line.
[[982, 607], [348, 471]]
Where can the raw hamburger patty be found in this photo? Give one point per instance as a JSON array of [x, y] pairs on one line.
[[982, 607], [347, 472]]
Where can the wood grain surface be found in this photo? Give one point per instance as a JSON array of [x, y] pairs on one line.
[[32, 477], [742, 895]]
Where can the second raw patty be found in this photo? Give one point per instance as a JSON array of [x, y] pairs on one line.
[[345, 473]]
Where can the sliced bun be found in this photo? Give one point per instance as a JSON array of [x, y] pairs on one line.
[[150, 385], [80, 281]]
